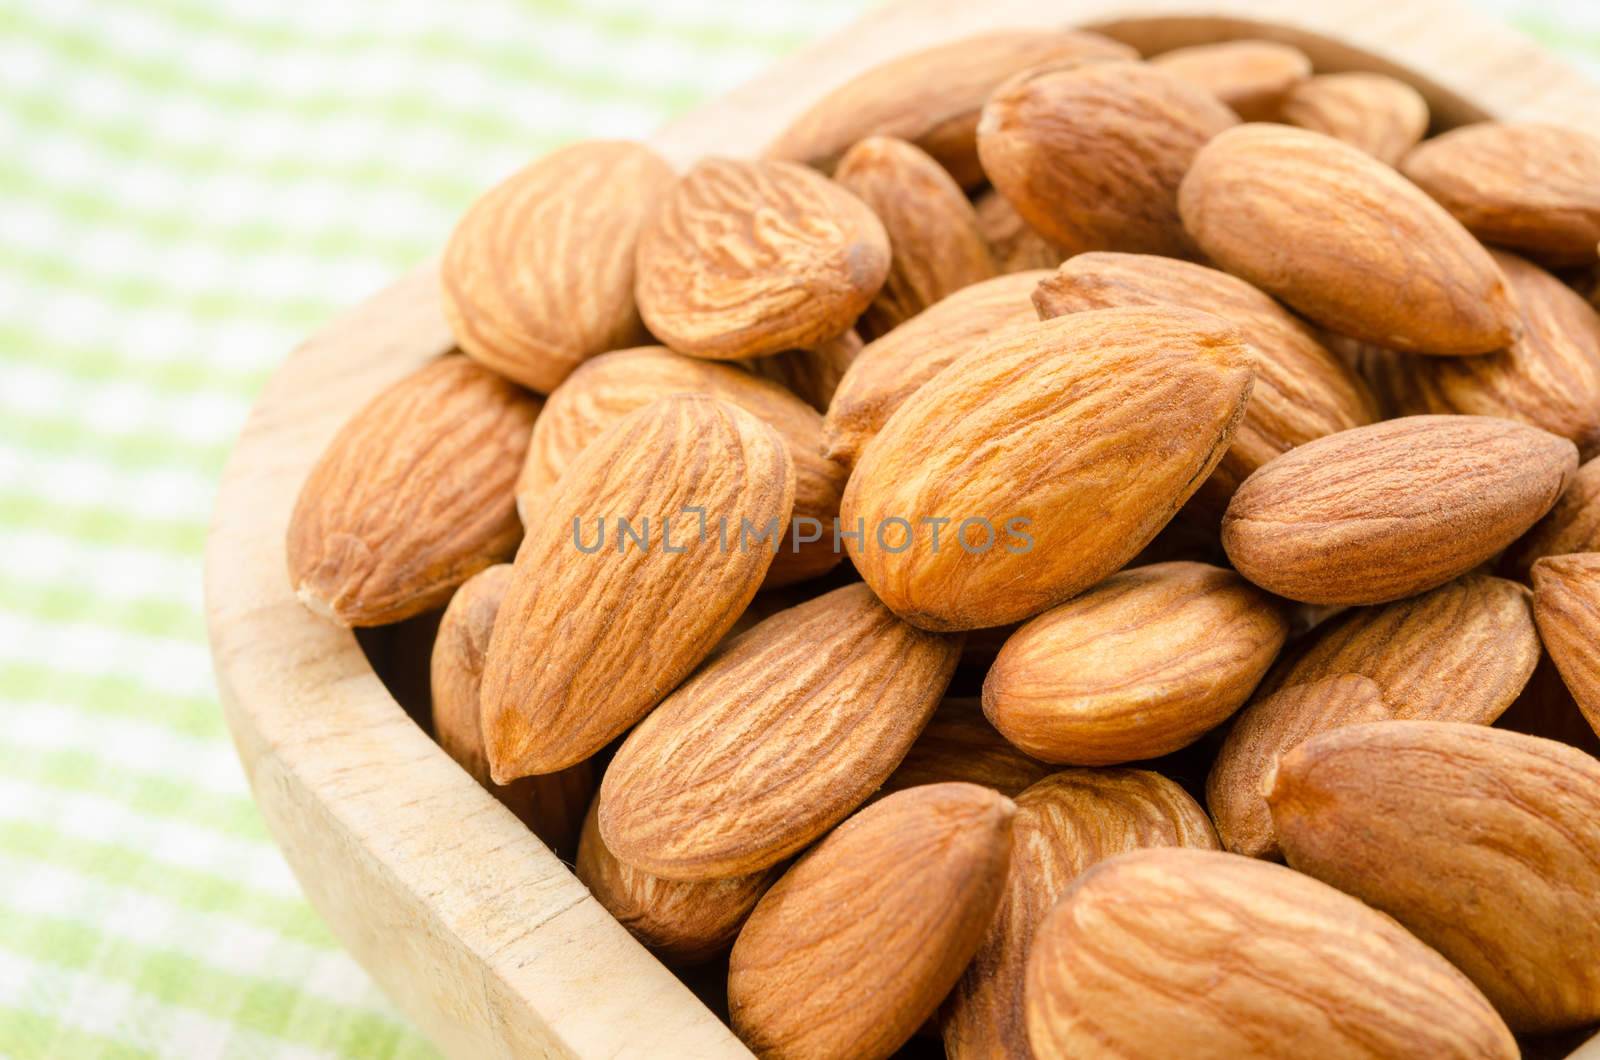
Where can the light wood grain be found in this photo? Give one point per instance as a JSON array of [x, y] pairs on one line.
[[470, 924]]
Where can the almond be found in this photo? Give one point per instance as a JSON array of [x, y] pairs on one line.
[[744, 259], [890, 370], [611, 386], [1056, 452], [959, 744], [1212, 956], [1264, 731], [682, 922], [412, 497], [1566, 603], [1573, 525], [1064, 824], [934, 242], [1091, 156], [1144, 663], [783, 733], [538, 275], [1251, 76], [592, 635], [551, 805], [1302, 391], [1382, 512], [1014, 246], [1485, 844], [932, 97], [1345, 240], [1531, 187], [812, 375], [858, 943], [1376, 113]]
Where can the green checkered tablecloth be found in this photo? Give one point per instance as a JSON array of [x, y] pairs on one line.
[[187, 187]]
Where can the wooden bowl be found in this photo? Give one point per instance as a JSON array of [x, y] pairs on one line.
[[476, 930]]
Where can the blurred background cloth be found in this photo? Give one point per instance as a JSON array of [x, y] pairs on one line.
[[187, 188]]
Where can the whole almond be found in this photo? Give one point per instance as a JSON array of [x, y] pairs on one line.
[[1264, 731], [782, 733], [1077, 439], [889, 370], [538, 275], [1212, 956], [1251, 76], [858, 943], [1091, 156], [682, 922], [1345, 240], [959, 744], [1573, 525], [592, 635], [1380, 115], [1485, 844], [1566, 604], [1393, 509], [812, 375], [1302, 391], [552, 805], [744, 259], [611, 386], [1064, 824], [934, 243], [1531, 187], [932, 97], [412, 497], [1013, 244], [1142, 664]]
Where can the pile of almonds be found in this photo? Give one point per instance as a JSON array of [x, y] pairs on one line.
[[1168, 469]]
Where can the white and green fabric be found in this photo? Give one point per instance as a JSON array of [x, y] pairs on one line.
[[187, 187]]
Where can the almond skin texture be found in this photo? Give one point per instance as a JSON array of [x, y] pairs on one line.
[[934, 242], [1014, 246], [1211, 956], [1387, 511], [1484, 843], [1144, 663], [784, 732], [932, 97], [1533, 188], [412, 497], [610, 386], [550, 805], [587, 642], [1573, 525], [1064, 824], [1265, 730], [811, 375], [1085, 433], [1380, 115], [745, 259], [891, 369], [1345, 240], [682, 923], [857, 944], [959, 744], [538, 275], [1251, 76], [1566, 603], [1091, 156], [1302, 391]]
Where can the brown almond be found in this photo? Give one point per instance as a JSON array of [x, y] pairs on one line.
[[932, 97], [1382, 116], [412, 497], [1573, 525], [1091, 156], [1345, 240], [538, 275], [1142, 664], [1485, 844], [858, 943], [934, 243], [744, 259], [1302, 391], [592, 635], [1056, 452], [1532, 187], [812, 375], [1212, 956], [959, 744], [1251, 76], [1382, 512], [1013, 245], [1566, 604], [1064, 824], [775, 740]]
